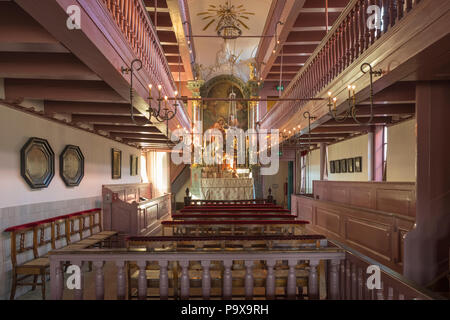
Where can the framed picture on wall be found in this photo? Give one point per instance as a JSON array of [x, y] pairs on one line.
[[116, 163], [350, 165], [134, 165], [358, 164], [337, 166], [332, 167], [344, 166]]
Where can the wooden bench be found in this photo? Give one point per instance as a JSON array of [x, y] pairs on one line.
[[233, 227], [235, 210], [233, 216], [214, 243], [31, 242]]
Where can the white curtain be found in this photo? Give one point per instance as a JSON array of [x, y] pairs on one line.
[[158, 172]]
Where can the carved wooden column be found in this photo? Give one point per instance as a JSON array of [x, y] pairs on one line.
[[249, 282], [334, 279], [163, 280], [426, 246], [313, 280], [184, 279], [270, 280], [78, 293], [142, 280], [206, 280]]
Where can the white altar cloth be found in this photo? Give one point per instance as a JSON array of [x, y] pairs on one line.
[[226, 188]]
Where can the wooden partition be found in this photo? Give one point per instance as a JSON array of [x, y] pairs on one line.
[[377, 234], [393, 197], [130, 209]]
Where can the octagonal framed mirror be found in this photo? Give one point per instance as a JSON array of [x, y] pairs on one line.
[[71, 165], [37, 163]]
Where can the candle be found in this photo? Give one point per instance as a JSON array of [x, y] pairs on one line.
[[329, 97], [334, 102], [150, 90]]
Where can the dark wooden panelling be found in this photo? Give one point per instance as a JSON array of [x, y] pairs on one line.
[[392, 197], [328, 220], [377, 234]]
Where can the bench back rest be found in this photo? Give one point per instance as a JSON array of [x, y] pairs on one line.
[[22, 246], [59, 233], [42, 238]]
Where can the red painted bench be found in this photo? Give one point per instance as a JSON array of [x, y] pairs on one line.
[[71, 231], [234, 210]]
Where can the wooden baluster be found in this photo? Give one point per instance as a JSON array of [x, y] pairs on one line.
[[355, 35], [206, 280], [56, 280], [348, 280], [99, 280], [142, 280], [390, 293], [360, 284], [347, 40], [248, 279], [227, 280], [184, 279], [408, 5], [392, 12], [270, 280], [342, 280], [368, 294], [354, 282], [334, 279], [372, 30], [78, 293], [163, 280], [401, 296], [291, 290], [379, 3], [400, 9], [313, 285], [121, 280], [379, 292]]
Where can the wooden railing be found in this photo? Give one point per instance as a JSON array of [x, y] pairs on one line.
[[121, 258], [348, 39], [353, 279], [135, 24]]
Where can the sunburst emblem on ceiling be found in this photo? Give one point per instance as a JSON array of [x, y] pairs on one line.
[[229, 19]]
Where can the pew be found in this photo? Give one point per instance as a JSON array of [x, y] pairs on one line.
[[31, 242], [233, 227], [233, 216], [216, 268], [235, 210]]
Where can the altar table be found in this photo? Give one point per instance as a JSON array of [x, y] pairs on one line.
[[226, 188]]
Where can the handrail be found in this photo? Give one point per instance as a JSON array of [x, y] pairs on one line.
[[347, 40]]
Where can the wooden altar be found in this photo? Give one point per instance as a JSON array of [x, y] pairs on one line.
[[226, 188]]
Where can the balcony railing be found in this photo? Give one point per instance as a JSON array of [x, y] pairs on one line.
[[345, 273], [348, 39], [132, 18]]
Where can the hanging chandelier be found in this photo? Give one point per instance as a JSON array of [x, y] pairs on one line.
[[232, 115]]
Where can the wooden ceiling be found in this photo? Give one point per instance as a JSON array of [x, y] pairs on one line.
[[35, 66]]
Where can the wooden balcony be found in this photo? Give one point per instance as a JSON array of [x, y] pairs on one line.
[[410, 31]]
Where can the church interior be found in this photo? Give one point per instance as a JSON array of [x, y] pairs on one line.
[[224, 149]]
